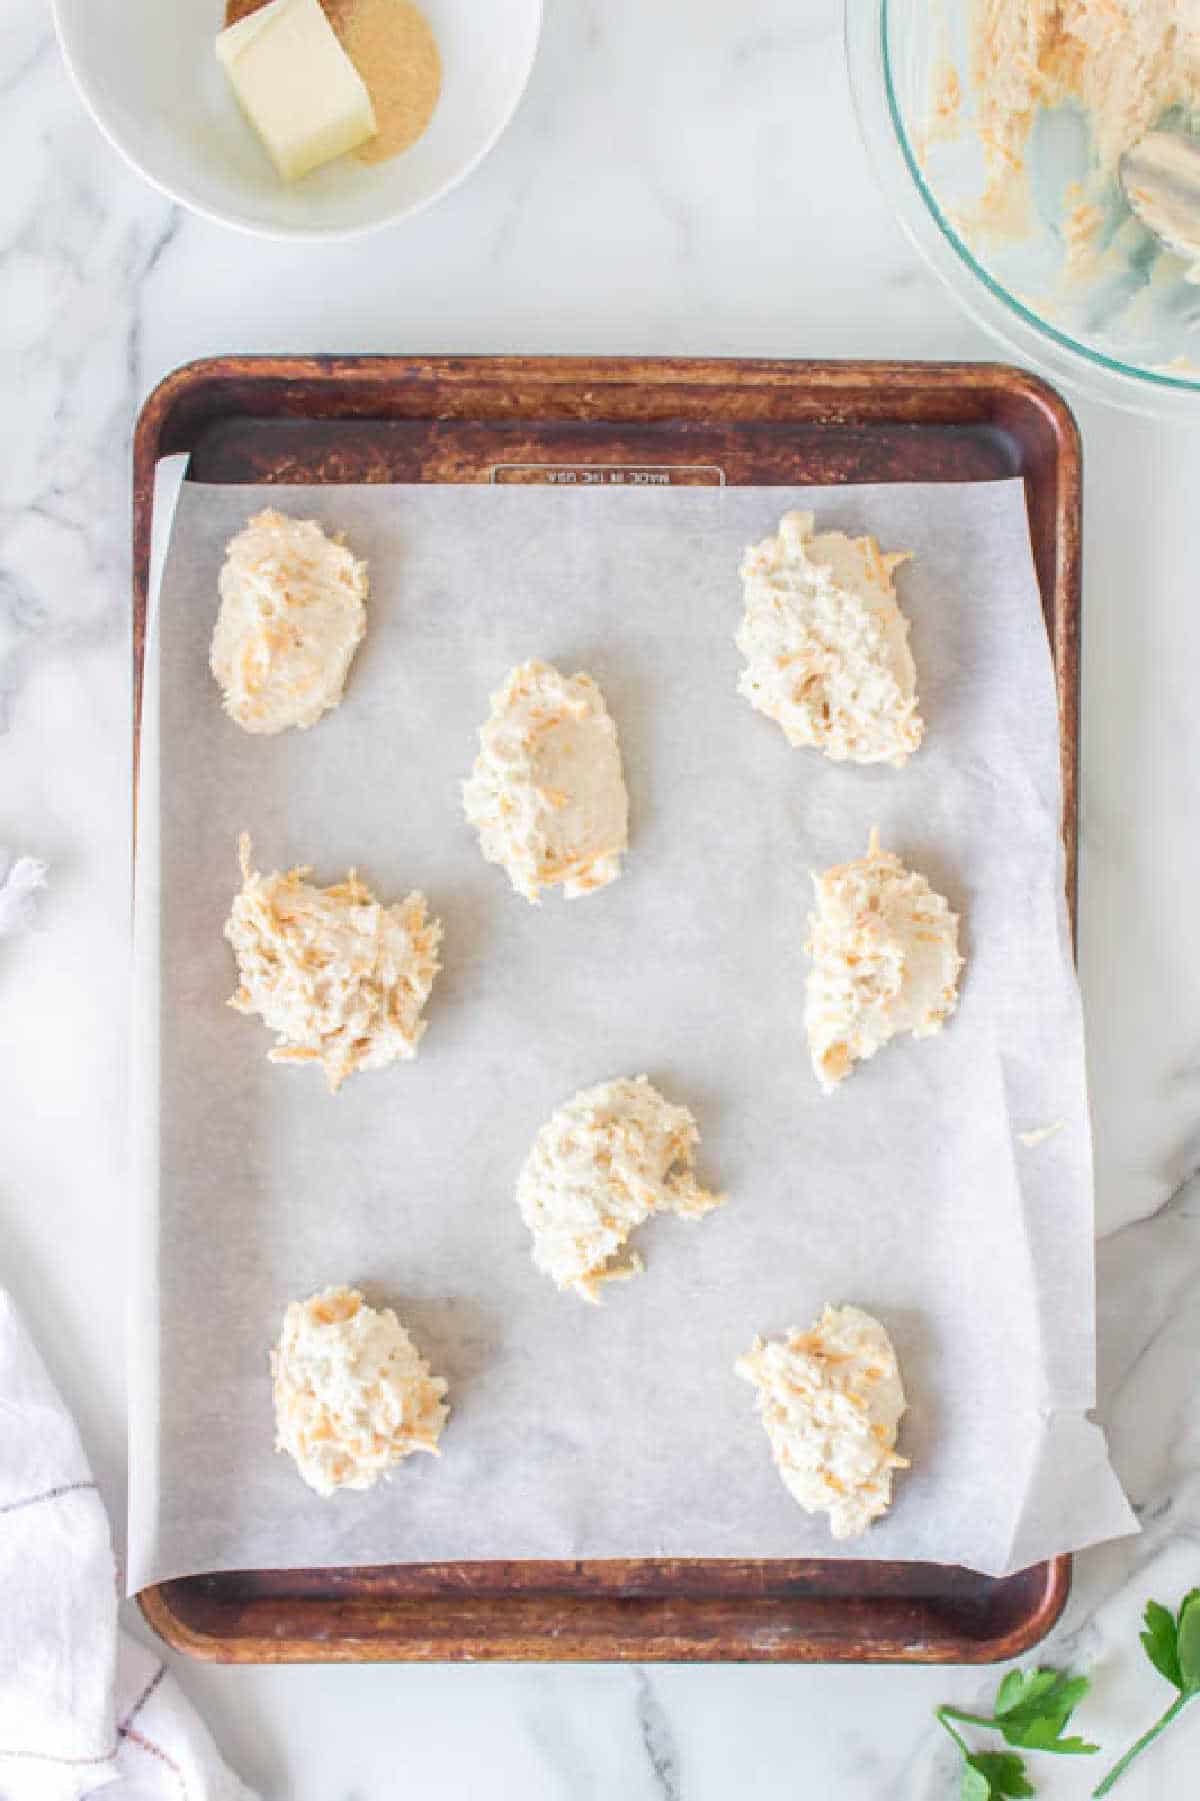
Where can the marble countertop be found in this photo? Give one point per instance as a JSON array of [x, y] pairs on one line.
[[732, 213]]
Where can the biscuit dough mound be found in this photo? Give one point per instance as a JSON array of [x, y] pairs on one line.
[[885, 959], [292, 615], [353, 1395], [547, 795], [339, 977], [601, 1165], [826, 645], [831, 1401]]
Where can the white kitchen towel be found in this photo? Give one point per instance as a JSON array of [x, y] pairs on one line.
[[82, 1707], [19, 881]]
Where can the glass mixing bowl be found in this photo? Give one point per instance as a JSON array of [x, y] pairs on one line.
[[1121, 324]]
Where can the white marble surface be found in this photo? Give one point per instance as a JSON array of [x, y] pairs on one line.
[[683, 177]]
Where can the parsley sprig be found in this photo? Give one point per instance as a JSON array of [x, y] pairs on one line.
[[1172, 1643], [1031, 1711]]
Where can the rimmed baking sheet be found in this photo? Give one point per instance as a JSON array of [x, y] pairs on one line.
[[583, 1433]]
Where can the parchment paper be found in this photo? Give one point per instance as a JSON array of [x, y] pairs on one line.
[[619, 1430]]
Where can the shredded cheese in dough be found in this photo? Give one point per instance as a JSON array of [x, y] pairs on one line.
[[601, 1165], [339, 977], [292, 615], [831, 1401], [547, 795], [826, 645], [353, 1396], [885, 959]]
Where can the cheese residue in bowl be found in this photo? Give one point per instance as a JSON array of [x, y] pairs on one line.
[[1126, 63], [1030, 107], [292, 615], [599, 1167], [826, 645], [341, 978], [831, 1401], [885, 959], [547, 794], [353, 1396]]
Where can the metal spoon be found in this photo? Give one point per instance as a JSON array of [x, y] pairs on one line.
[[1160, 176]]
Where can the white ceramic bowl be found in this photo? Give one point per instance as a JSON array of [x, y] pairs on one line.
[[148, 73]]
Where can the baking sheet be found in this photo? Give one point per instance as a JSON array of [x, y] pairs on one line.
[[618, 1431]]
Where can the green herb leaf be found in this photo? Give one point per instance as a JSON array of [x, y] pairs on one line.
[[975, 1785], [1043, 1735], [1173, 1646], [1036, 1723], [1004, 1774], [1021, 1687], [1187, 1643], [1031, 1709], [1160, 1642]]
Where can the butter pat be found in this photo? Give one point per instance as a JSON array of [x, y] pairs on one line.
[[296, 85]]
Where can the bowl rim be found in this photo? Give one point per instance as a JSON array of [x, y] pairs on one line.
[[289, 234], [1162, 393]]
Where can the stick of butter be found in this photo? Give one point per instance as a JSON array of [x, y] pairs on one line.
[[296, 85]]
